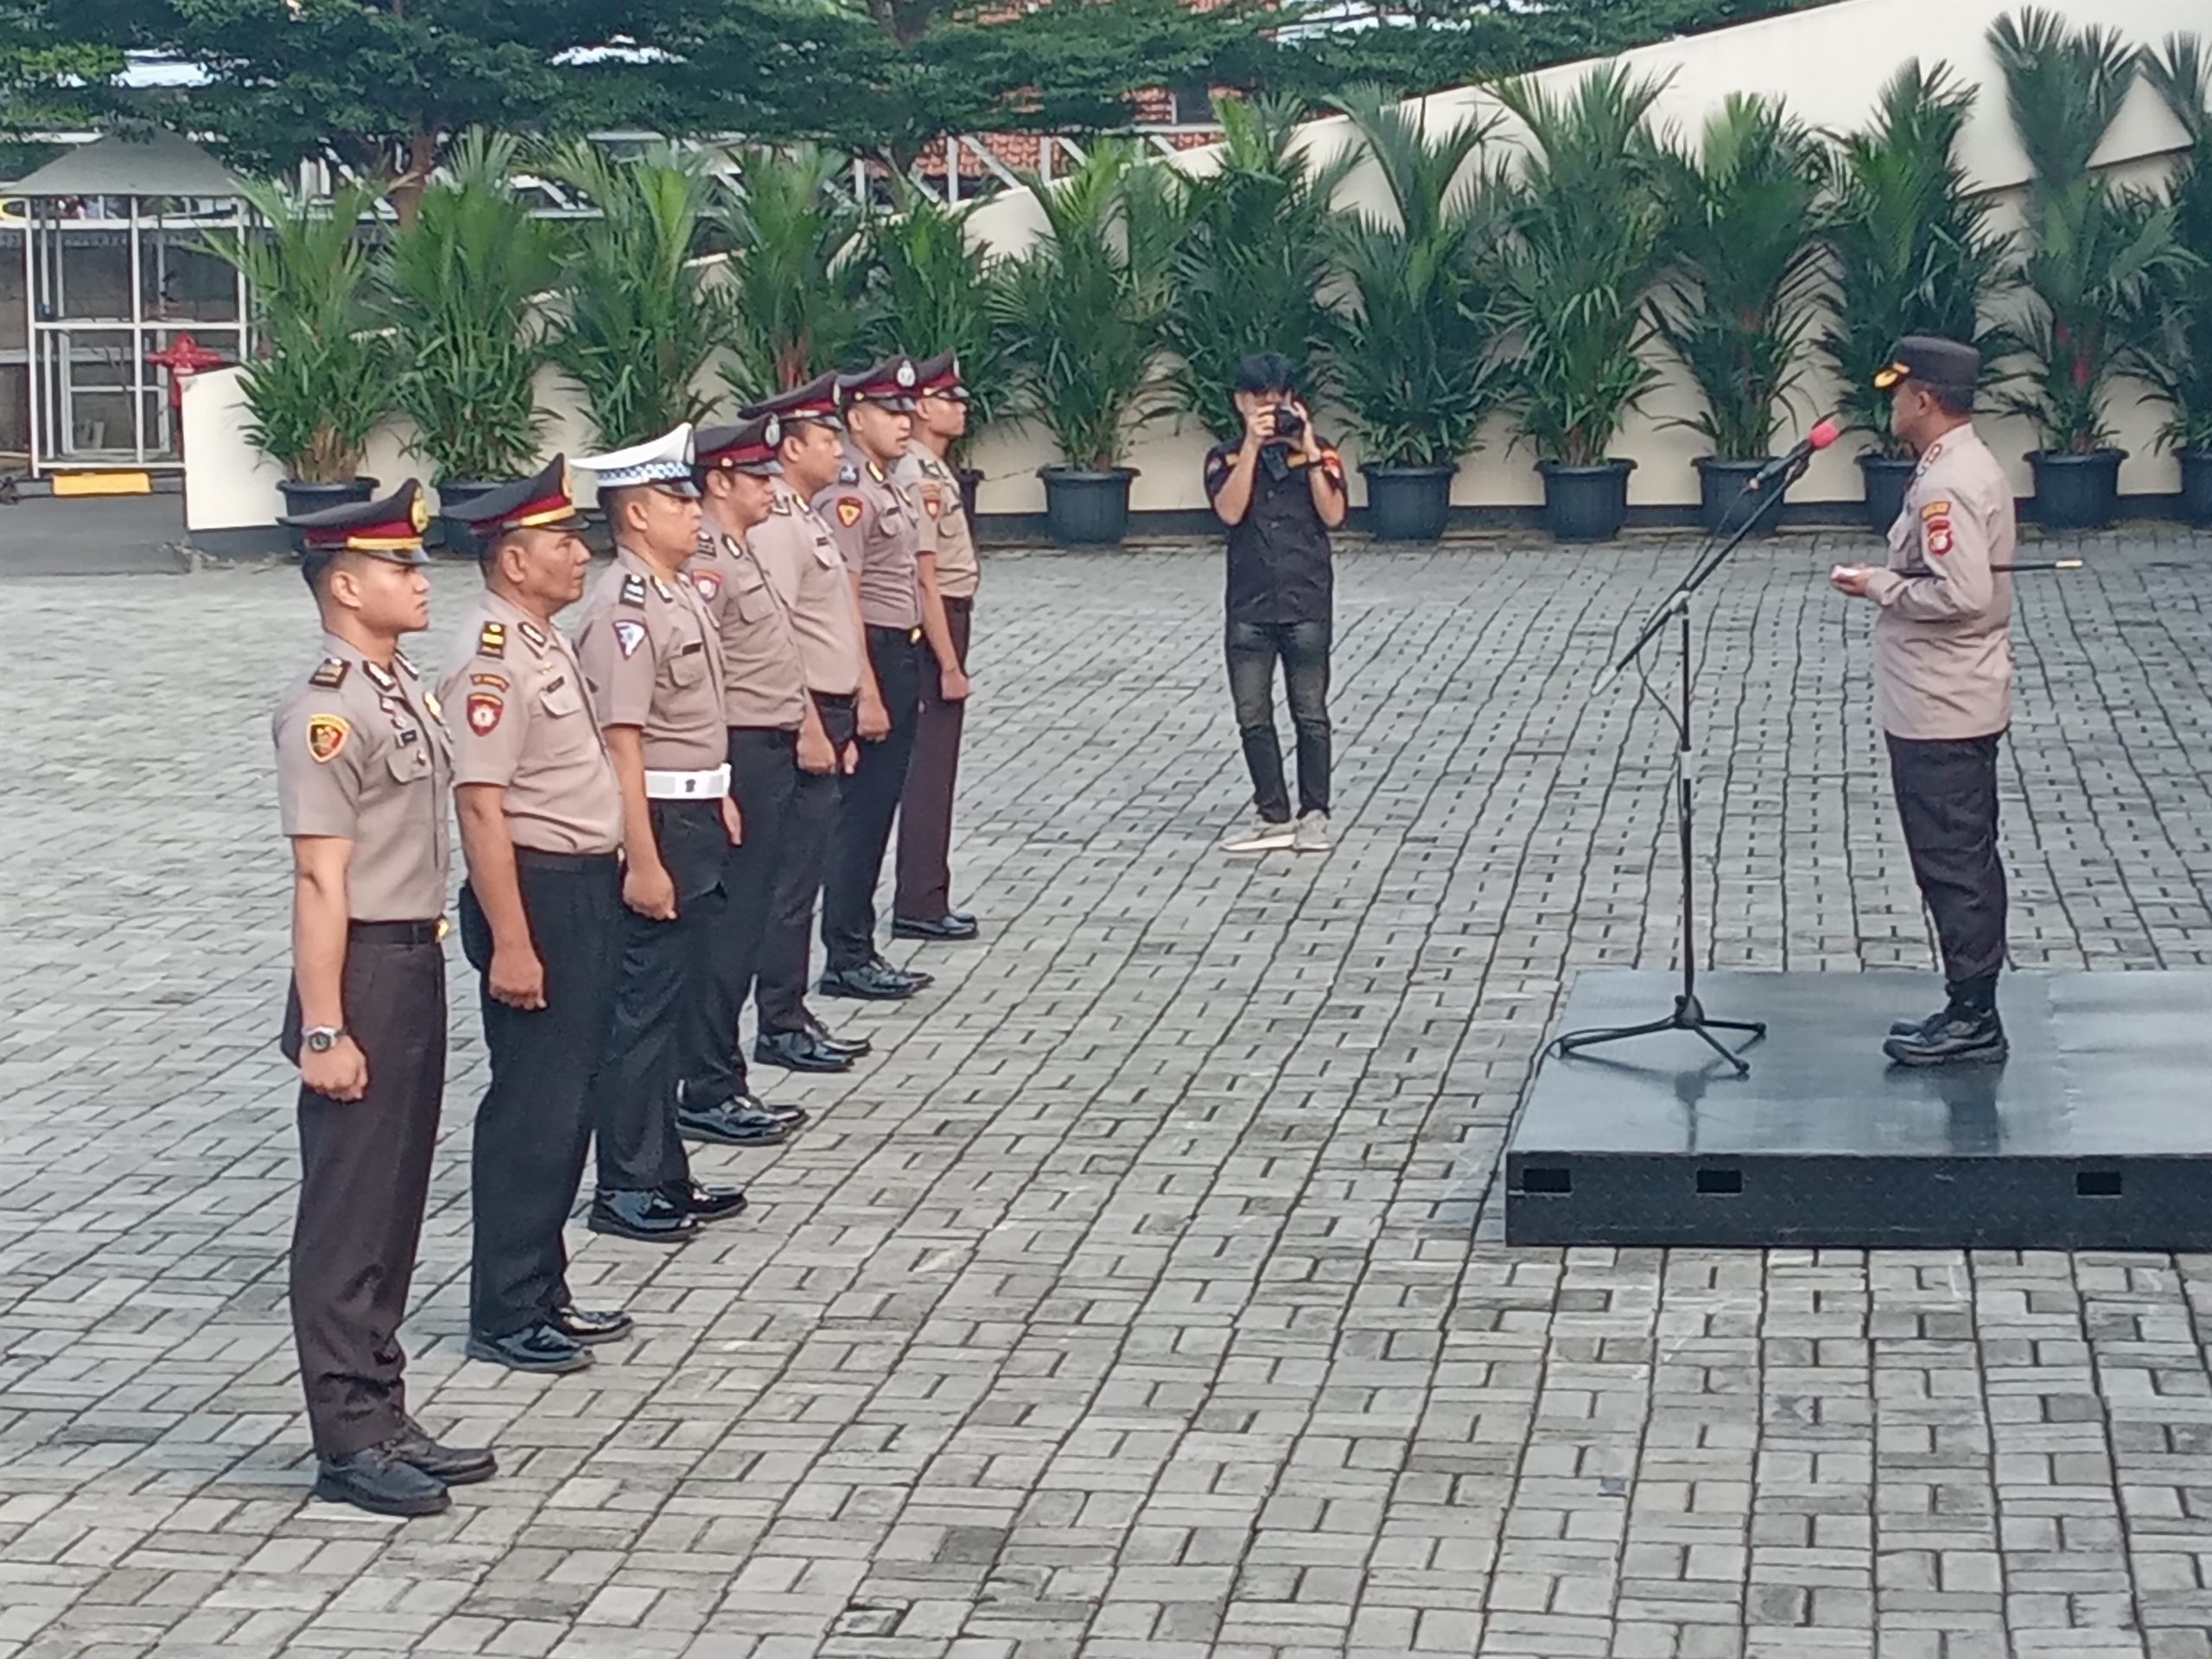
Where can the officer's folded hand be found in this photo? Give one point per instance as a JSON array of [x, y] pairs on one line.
[[875, 719], [340, 1073], [650, 892], [1850, 579], [852, 759], [516, 978], [732, 825], [953, 686], [816, 754]]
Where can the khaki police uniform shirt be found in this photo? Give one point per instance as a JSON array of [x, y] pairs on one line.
[[808, 570], [877, 530], [1942, 641], [523, 722], [763, 683], [651, 659], [934, 490], [362, 756]]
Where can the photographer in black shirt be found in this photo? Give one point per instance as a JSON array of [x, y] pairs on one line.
[[1281, 491]]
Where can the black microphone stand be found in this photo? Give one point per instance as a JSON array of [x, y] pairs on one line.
[[1690, 1013]]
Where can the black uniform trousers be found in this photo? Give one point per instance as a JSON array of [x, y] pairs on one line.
[[779, 986], [664, 965], [924, 890], [763, 780], [364, 1174], [1947, 796], [868, 802], [535, 1124]]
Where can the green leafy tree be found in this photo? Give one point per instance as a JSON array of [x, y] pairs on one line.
[[929, 289], [1912, 243], [1413, 354], [797, 286], [2094, 246], [1252, 262], [639, 319], [2173, 318], [1743, 235]]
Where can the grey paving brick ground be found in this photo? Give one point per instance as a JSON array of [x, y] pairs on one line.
[[1138, 1300]]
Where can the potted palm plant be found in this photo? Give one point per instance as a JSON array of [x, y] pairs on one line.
[[639, 322], [321, 383], [796, 286], [1415, 348], [1584, 253], [1082, 314], [2093, 247], [929, 291], [1745, 253], [2173, 333], [1251, 263], [460, 287], [1914, 253]]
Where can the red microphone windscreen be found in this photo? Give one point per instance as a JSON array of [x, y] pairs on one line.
[[1823, 434]]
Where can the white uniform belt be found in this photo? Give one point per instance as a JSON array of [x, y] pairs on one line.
[[687, 786]]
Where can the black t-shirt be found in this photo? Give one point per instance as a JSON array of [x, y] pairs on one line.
[[1279, 568]]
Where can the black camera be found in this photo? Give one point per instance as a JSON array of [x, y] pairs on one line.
[[1287, 423]]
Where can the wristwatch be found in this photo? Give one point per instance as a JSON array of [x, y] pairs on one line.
[[321, 1039]]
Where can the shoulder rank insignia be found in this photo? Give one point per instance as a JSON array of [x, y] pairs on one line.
[[379, 677], [848, 511], [849, 473], [535, 634], [330, 676], [491, 639], [633, 590], [400, 656]]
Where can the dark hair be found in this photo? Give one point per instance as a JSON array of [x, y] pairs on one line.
[[1266, 371], [1952, 400]]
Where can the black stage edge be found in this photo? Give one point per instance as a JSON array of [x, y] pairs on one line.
[[2096, 1134]]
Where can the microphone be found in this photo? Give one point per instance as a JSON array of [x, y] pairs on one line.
[[1823, 434]]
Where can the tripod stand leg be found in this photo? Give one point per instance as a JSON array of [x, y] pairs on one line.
[[1574, 1040], [1743, 1066], [1758, 1029]]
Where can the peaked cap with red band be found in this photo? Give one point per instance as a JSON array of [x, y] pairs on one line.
[[815, 401], [390, 528], [940, 376], [748, 447], [889, 384], [545, 502]]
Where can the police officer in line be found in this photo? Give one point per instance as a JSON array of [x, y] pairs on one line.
[[807, 569], [363, 770], [877, 529], [764, 701], [541, 917], [1943, 685], [652, 663], [922, 907]]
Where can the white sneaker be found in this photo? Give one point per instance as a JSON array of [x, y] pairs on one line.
[[1263, 837], [1311, 834]]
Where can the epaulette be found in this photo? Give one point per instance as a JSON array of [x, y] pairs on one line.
[[535, 634], [849, 473], [330, 676], [784, 506], [491, 639], [633, 590]]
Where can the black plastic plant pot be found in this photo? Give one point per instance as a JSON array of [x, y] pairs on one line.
[[1407, 504], [450, 534], [1722, 506], [1888, 477], [2197, 488], [1585, 503], [971, 479], [314, 498], [2077, 492], [1084, 508]]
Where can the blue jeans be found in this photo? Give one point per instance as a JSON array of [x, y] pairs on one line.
[[1303, 649]]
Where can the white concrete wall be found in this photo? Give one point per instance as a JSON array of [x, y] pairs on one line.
[[1828, 66]]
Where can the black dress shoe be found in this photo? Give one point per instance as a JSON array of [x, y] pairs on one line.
[[920, 979], [964, 918], [708, 1203], [738, 1121], [791, 1117], [943, 930], [375, 1480], [850, 1047], [1960, 1037], [541, 1347], [798, 1051], [583, 1325], [649, 1217], [453, 1465], [868, 983]]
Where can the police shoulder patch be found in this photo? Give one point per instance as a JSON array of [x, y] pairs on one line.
[[484, 710], [326, 735], [330, 676], [848, 511], [1936, 510], [496, 681], [628, 636], [633, 591], [709, 584], [491, 639]]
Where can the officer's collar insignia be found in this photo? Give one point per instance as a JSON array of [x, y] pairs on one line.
[[431, 702], [663, 588], [875, 471], [633, 589], [781, 506], [491, 639], [535, 634], [400, 656], [379, 677], [330, 676]]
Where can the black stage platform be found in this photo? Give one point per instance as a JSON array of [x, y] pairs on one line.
[[2097, 1134]]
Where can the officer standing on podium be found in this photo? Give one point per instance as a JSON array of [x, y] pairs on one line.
[[541, 917], [1943, 685], [363, 771], [876, 529], [653, 665]]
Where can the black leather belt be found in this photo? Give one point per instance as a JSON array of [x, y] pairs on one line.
[[529, 858], [895, 636], [397, 932]]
